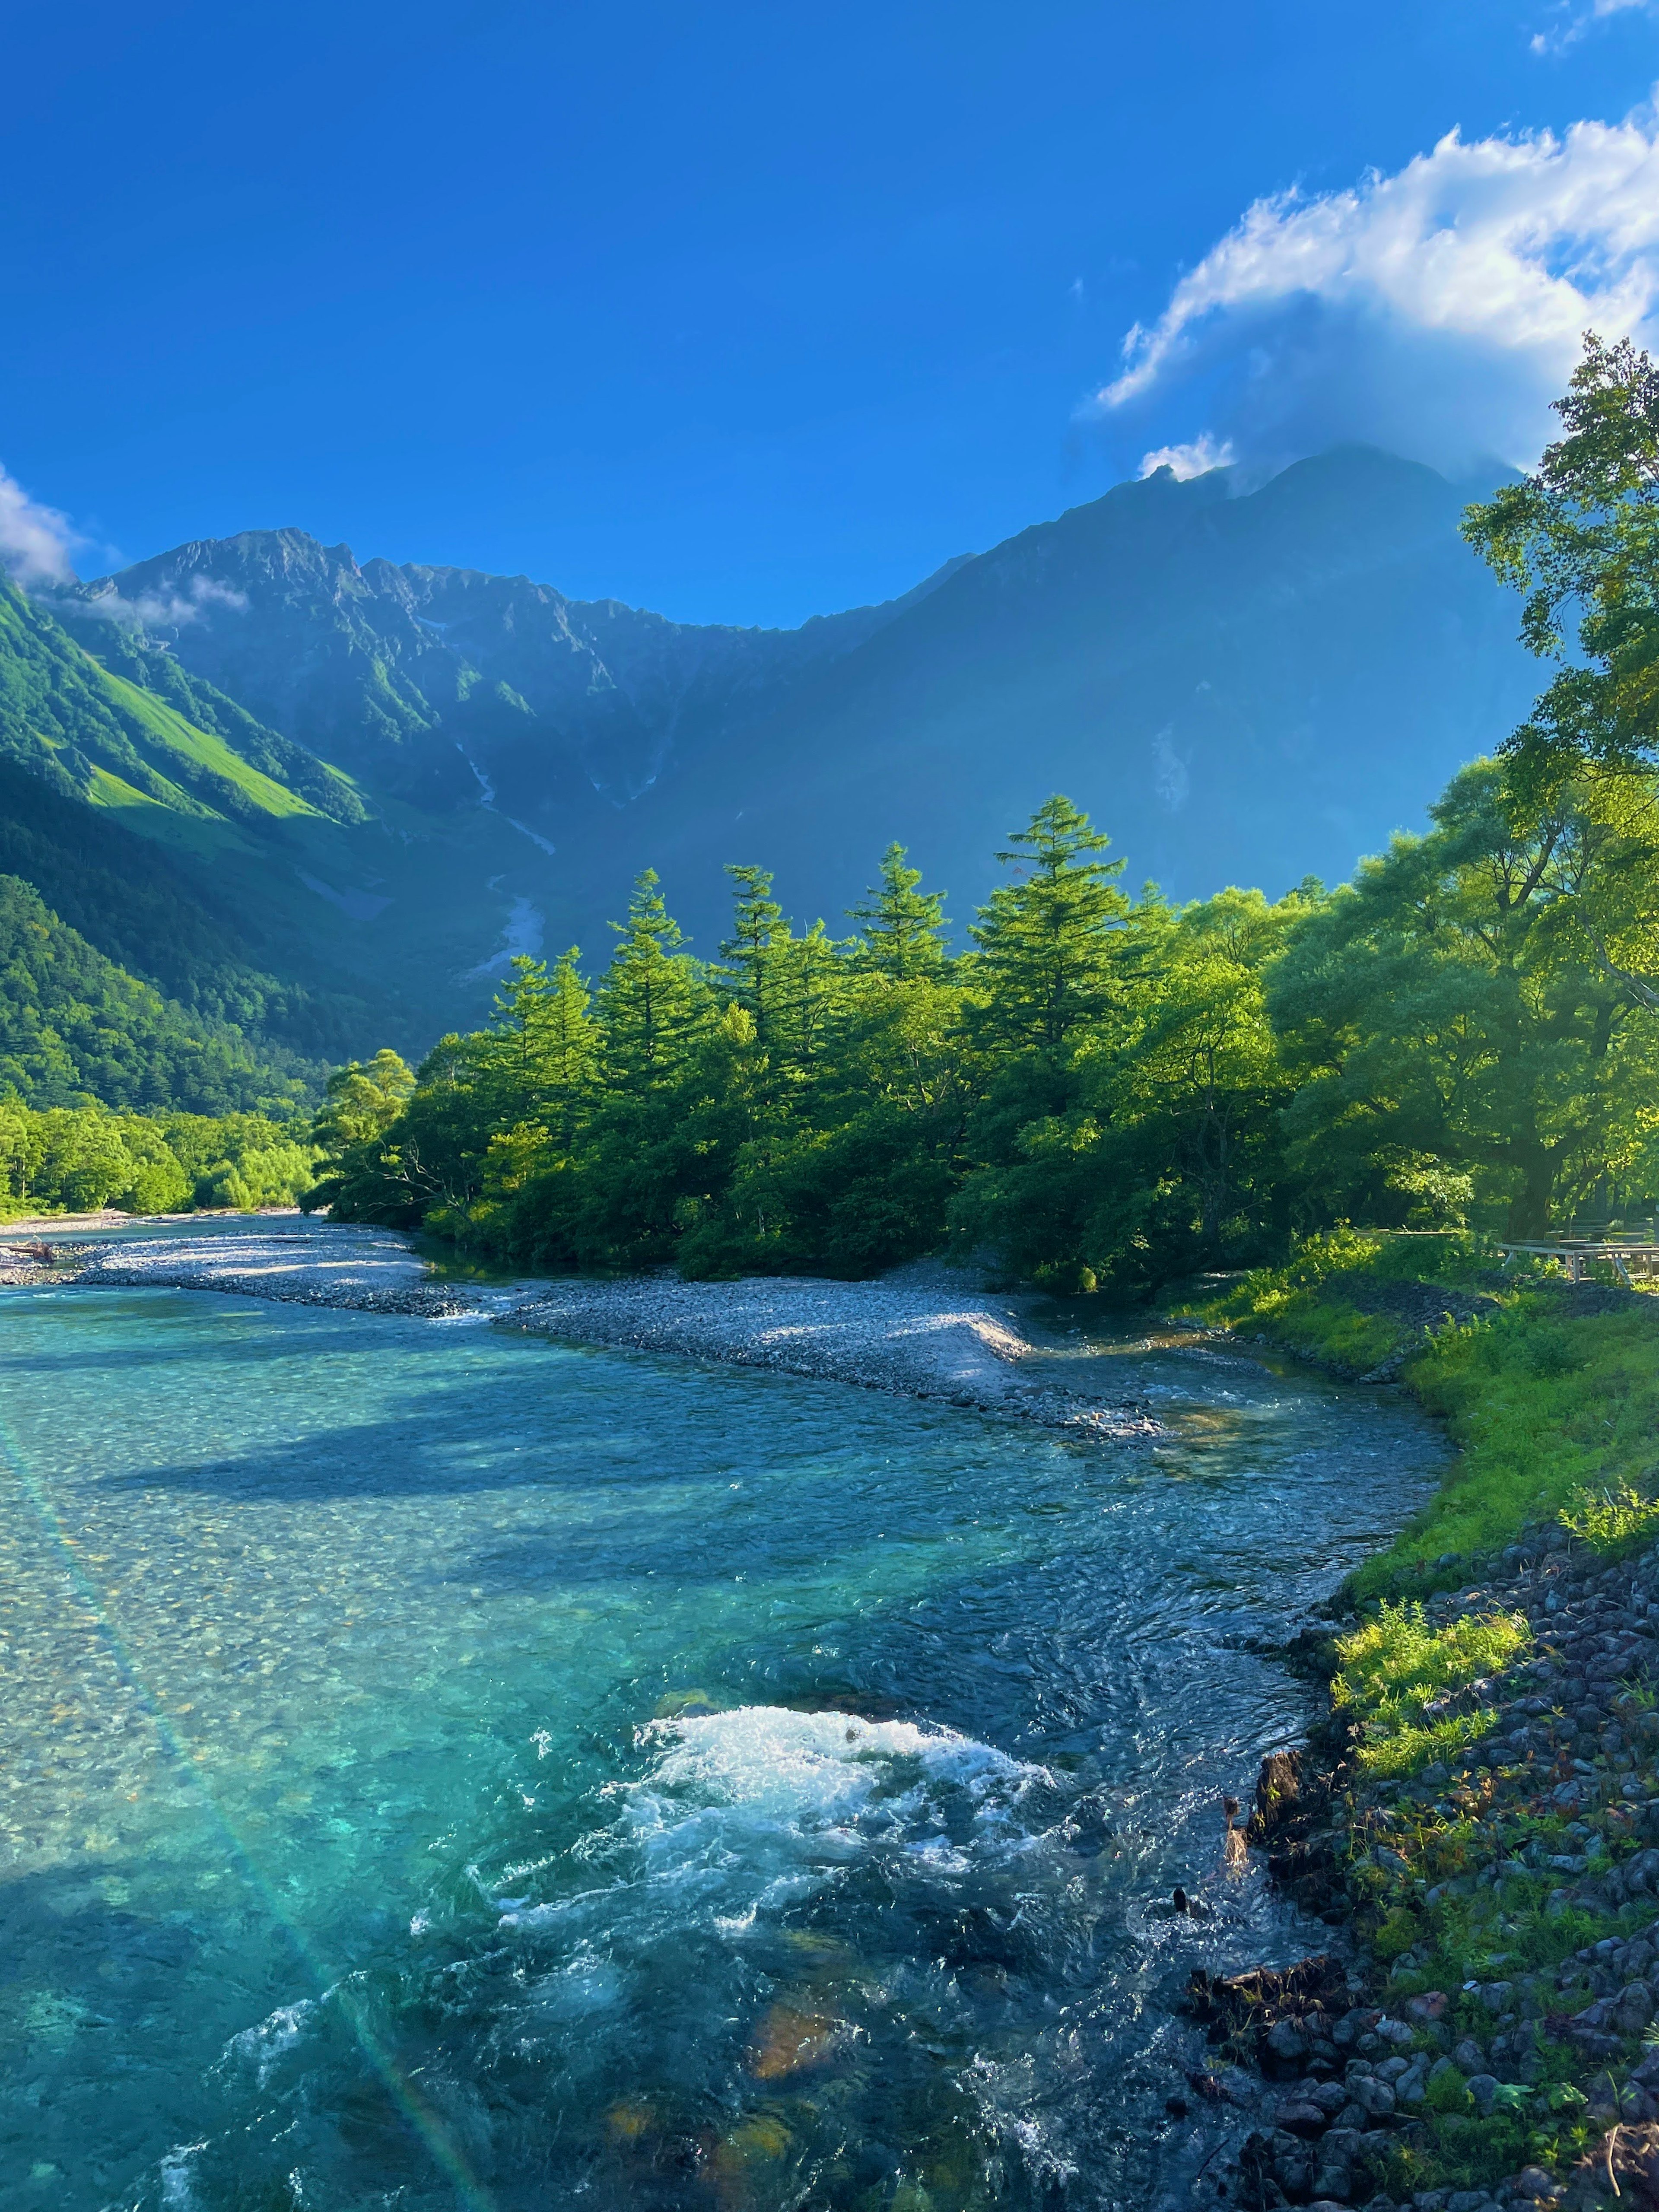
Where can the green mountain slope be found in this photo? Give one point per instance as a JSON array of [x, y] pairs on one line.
[[74, 1026], [1241, 684], [217, 860], [96, 732], [133, 902]]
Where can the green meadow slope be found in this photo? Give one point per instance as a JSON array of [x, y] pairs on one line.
[[139, 737], [147, 850]]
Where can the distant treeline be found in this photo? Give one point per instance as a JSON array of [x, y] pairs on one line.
[[76, 1159], [1102, 1091]]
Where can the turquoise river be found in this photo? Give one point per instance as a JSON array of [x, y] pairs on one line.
[[441, 1770]]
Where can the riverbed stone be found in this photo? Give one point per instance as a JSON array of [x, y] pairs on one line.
[[1301, 2118], [1483, 2087], [1373, 2097], [1413, 2087]]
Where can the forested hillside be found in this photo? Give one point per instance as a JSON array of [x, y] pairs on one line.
[[75, 1027], [1104, 1092], [129, 899]]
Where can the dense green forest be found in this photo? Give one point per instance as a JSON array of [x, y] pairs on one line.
[[75, 1159], [110, 1094], [1108, 1090], [75, 1027]]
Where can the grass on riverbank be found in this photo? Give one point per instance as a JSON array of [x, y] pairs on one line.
[[1494, 1794], [1395, 1671], [1555, 1408]]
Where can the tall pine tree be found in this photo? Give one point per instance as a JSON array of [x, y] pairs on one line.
[[1047, 941], [653, 1000], [900, 925]]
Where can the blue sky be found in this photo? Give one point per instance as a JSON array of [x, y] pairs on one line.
[[745, 312]]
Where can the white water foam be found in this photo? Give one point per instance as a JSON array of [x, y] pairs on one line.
[[822, 1769], [260, 2047], [743, 1814], [174, 2170]]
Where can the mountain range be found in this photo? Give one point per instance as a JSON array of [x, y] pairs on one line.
[[353, 789]]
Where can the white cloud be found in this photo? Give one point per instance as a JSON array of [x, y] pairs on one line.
[[1436, 311], [1195, 458], [168, 609], [35, 544], [35, 540], [1578, 20]]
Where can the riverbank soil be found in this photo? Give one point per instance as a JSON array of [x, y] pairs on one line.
[[1484, 1801]]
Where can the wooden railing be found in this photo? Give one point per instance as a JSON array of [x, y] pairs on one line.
[[1578, 1254]]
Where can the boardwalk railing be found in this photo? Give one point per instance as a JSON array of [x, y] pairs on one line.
[[1576, 1255]]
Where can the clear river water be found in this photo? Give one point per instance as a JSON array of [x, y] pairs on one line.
[[440, 1769]]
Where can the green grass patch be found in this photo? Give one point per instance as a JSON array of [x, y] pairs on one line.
[[105, 788], [1612, 1521], [1303, 1311], [169, 729], [1556, 1420], [1394, 1666]]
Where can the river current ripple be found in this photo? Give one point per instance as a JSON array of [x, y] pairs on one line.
[[440, 1769]]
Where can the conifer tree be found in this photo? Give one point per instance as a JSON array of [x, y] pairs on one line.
[[899, 925], [550, 1043], [755, 953], [1047, 942], [653, 1000], [811, 975]]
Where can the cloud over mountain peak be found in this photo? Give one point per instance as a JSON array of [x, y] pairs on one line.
[[1436, 311]]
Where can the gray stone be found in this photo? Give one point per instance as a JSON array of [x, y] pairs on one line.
[[1413, 2085], [1373, 2097], [1483, 2087], [1287, 2043], [1470, 2057], [1302, 2118]]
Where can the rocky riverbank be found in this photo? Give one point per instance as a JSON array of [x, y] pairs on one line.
[[1481, 1813], [923, 1332], [917, 1334], [1535, 1859]]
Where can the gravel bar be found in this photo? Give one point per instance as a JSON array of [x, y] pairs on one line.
[[922, 1332]]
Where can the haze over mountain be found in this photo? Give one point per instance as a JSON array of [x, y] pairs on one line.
[[387, 778]]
